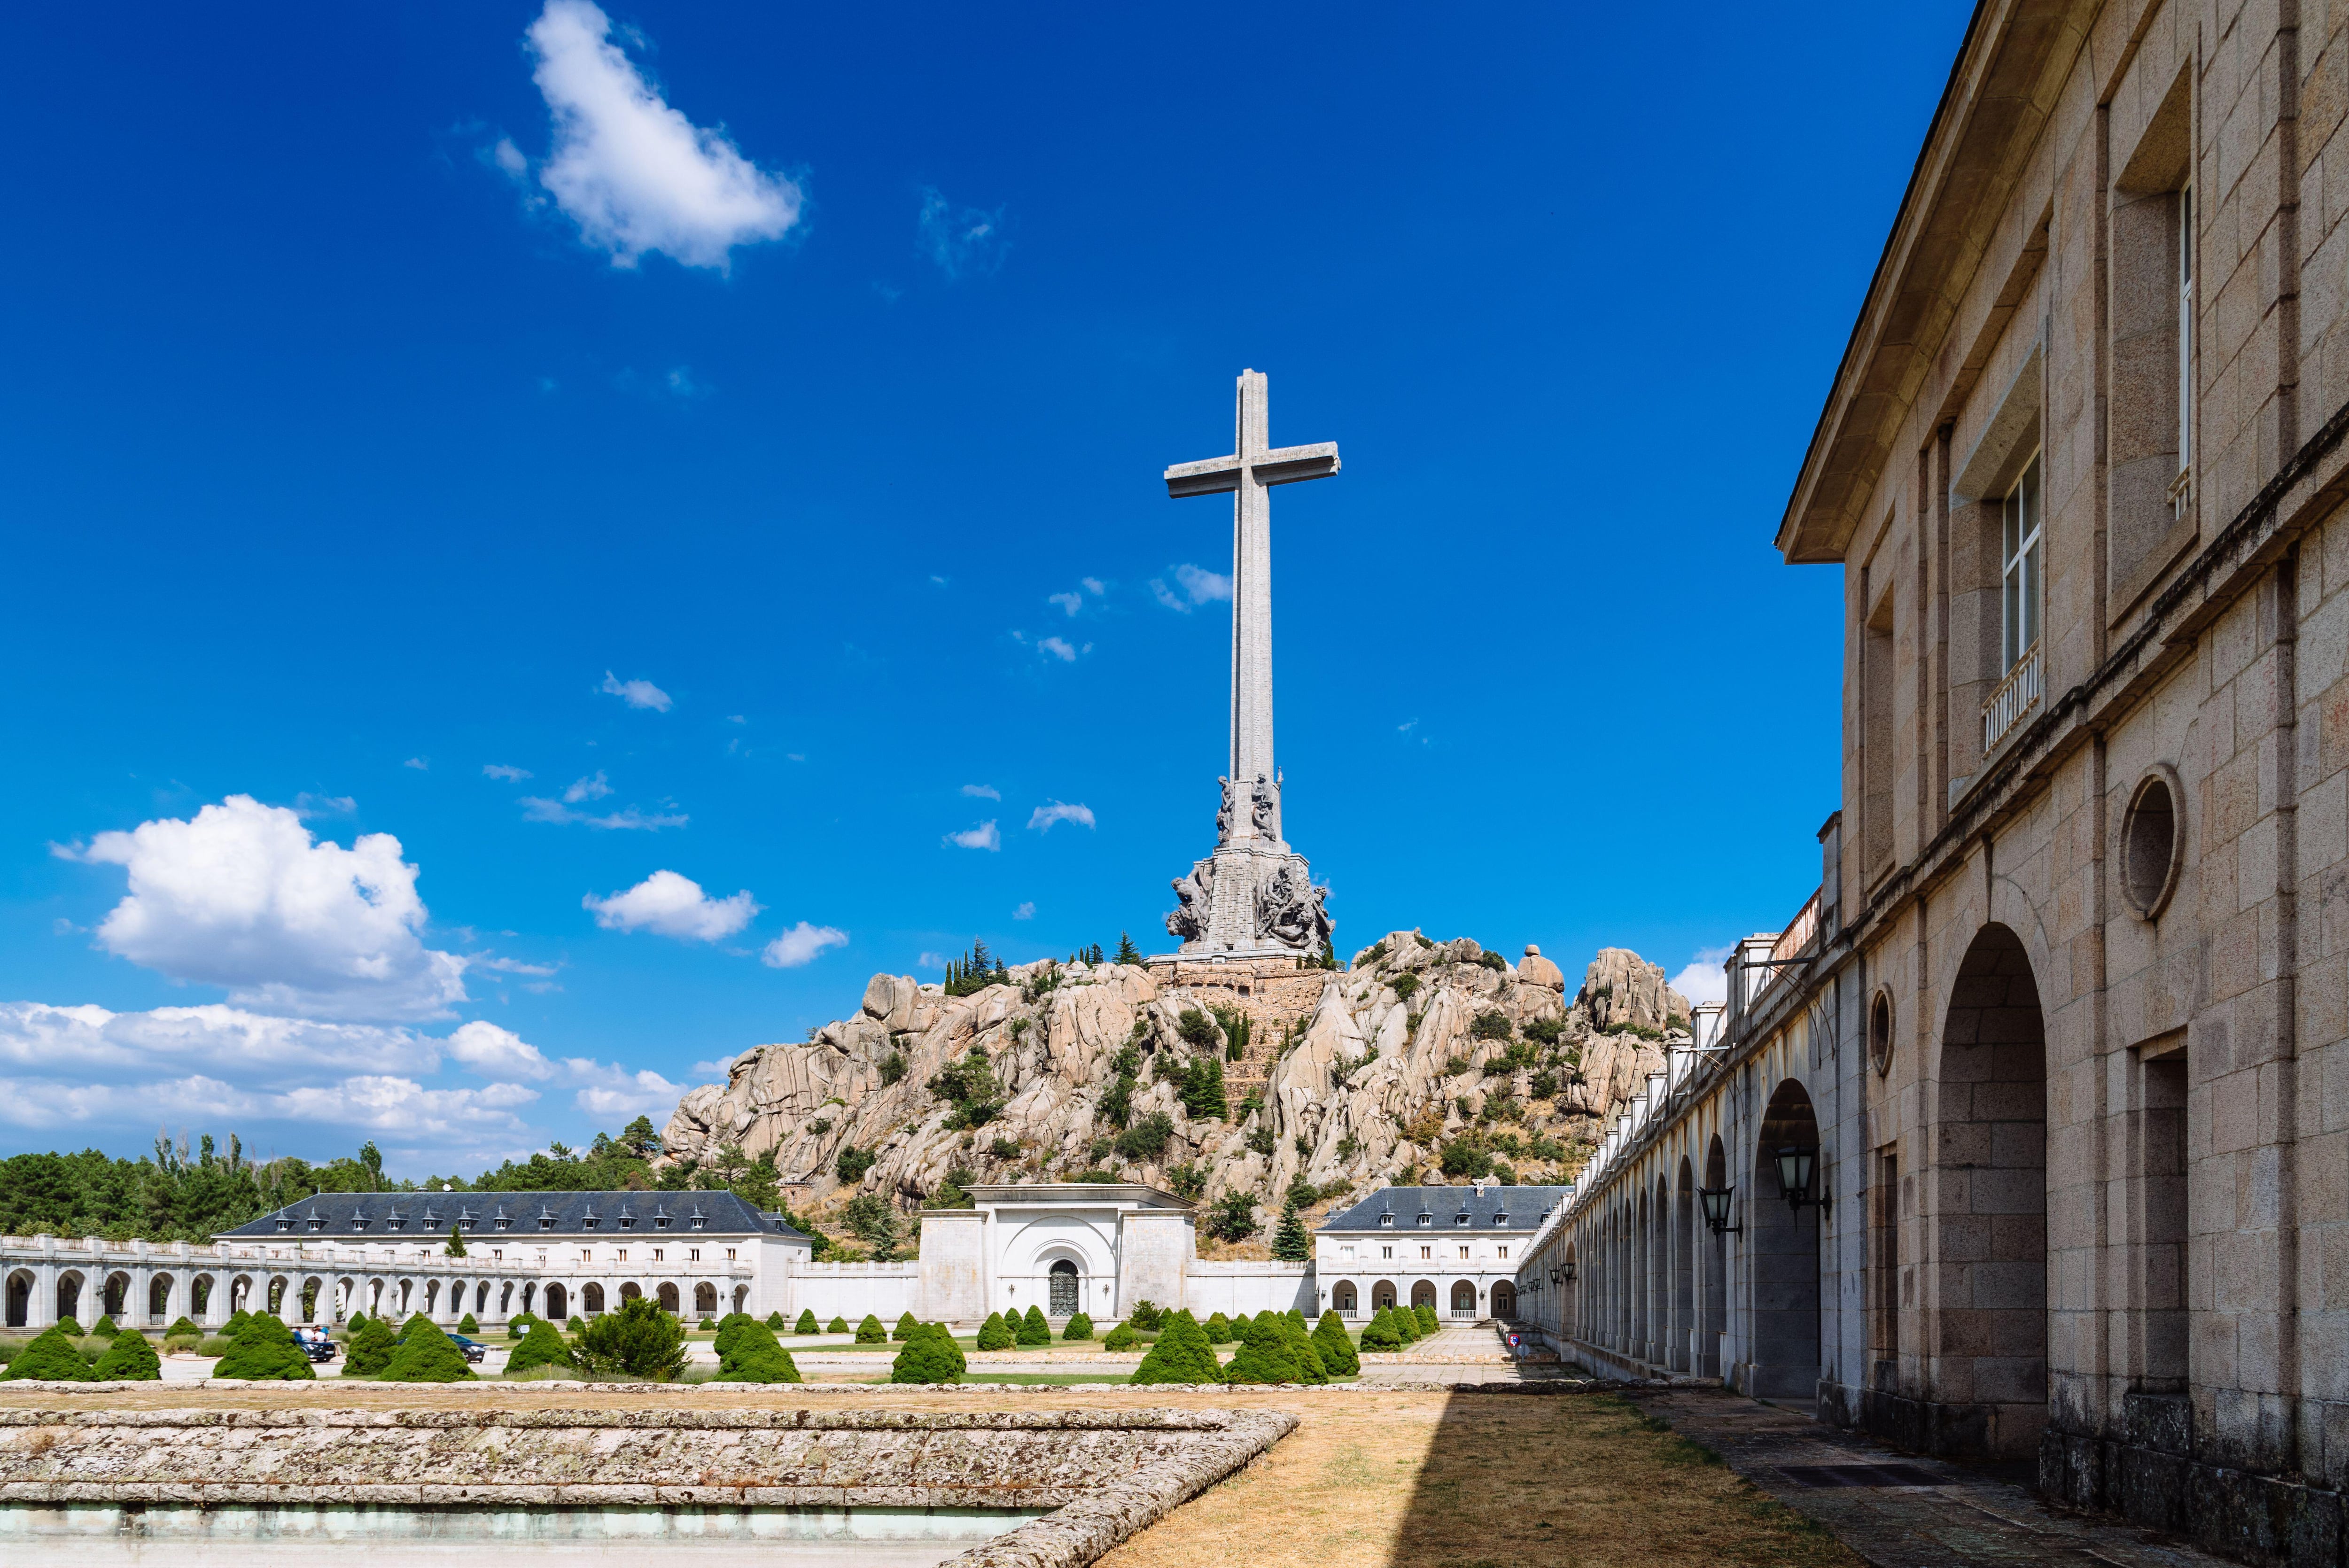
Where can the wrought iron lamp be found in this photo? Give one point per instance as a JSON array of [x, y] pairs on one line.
[[1715, 1201], [1797, 1164]]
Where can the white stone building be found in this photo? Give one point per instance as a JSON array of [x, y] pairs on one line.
[[1456, 1249]]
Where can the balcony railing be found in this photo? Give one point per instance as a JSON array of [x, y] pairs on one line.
[[2017, 694]]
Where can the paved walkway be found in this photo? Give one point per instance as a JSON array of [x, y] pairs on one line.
[[1898, 1509]]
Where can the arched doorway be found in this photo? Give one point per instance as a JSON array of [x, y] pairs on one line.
[[115, 1295], [1341, 1297], [669, 1298], [1783, 1250], [558, 1305], [591, 1299], [1383, 1295], [630, 1290], [1424, 1294], [1715, 1319], [1680, 1354], [1063, 1281], [20, 1298], [1988, 1351], [1641, 1253], [1463, 1298], [1505, 1299], [705, 1298], [159, 1298], [69, 1296]]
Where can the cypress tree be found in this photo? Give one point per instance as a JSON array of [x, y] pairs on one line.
[[1264, 1355], [50, 1357], [542, 1346], [995, 1334], [1337, 1351], [1033, 1329], [1290, 1242], [372, 1345], [130, 1359], [1425, 1312]]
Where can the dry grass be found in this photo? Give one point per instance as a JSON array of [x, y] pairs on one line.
[[1410, 1479]]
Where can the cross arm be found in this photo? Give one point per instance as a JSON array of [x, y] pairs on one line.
[[1281, 466], [1209, 476]]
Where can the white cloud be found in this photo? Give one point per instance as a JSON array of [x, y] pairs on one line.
[[801, 944], [931, 960], [965, 241], [1025, 912], [1059, 650], [1071, 601], [634, 173], [402, 1106], [982, 791], [497, 1053], [308, 805], [1091, 586], [214, 1038], [636, 694], [615, 1093], [1705, 980], [418, 764], [1198, 586], [590, 788], [983, 836], [510, 965], [673, 905], [1046, 815], [723, 1067], [500, 770], [243, 897], [536, 808]]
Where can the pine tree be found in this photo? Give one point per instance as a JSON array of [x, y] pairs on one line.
[[183, 1328], [426, 1356], [1425, 1312], [995, 1334], [1033, 1329], [870, 1331], [542, 1346], [1309, 1366], [263, 1349], [1336, 1350], [456, 1247], [1290, 1242], [837, 1325], [106, 1330], [752, 1356], [930, 1355], [50, 1357], [906, 1326], [130, 1359], [1126, 951], [1381, 1333], [1181, 1355], [372, 1345], [1219, 1329], [806, 1324], [466, 1326], [1079, 1326], [1263, 1355]]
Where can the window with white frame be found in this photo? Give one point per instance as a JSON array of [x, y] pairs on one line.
[[2021, 569]]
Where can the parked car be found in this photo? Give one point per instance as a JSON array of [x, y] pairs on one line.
[[474, 1348], [317, 1344]]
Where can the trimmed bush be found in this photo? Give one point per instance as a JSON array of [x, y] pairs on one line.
[[1033, 1329], [183, 1328], [1264, 1355], [753, 1356], [130, 1359], [1381, 1333], [1181, 1355], [1425, 1312], [729, 1329], [1336, 1350], [995, 1334], [706, 1323], [263, 1350], [837, 1325], [930, 1355], [542, 1346], [1122, 1337], [1309, 1367], [639, 1341], [1219, 1329], [71, 1327], [518, 1326], [235, 1320], [905, 1329], [106, 1330], [467, 1326], [1079, 1326], [50, 1357], [1147, 1316], [870, 1331], [807, 1322], [426, 1354]]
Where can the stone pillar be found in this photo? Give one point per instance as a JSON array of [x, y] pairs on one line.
[[138, 1305]]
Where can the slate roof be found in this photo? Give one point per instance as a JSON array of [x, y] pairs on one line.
[[376, 1216], [1494, 1208]]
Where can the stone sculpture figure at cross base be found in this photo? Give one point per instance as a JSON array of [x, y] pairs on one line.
[[1254, 897]]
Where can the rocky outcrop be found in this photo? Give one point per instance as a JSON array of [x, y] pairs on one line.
[[1424, 1057]]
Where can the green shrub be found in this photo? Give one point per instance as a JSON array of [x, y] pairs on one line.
[[51, 1357], [1492, 1024], [1264, 1355], [1337, 1351], [1147, 1316], [906, 1324], [806, 1324], [870, 1331], [235, 1320], [706, 1324], [1079, 1326], [468, 1326], [729, 1329], [1122, 1337], [995, 1334], [1381, 1333], [1033, 1329], [1405, 986], [183, 1328], [1181, 1355], [639, 1341], [837, 1325], [753, 1356], [853, 1163], [426, 1354], [540, 1347], [1147, 1138], [263, 1350], [518, 1325], [71, 1327], [130, 1359], [1425, 1312], [930, 1355], [1309, 1366], [1219, 1329], [106, 1330]]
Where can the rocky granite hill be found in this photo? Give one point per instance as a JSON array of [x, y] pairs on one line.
[[1423, 1060]]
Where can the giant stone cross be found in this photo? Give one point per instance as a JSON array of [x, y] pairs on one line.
[[1254, 896]]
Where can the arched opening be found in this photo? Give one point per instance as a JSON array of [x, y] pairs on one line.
[[669, 1298], [1383, 1296], [591, 1299], [1569, 1306], [741, 1295], [1783, 1250], [200, 1296], [630, 1290], [705, 1298], [317, 1306], [558, 1303], [431, 1297], [1062, 1279], [159, 1298], [1715, 1319], [1680, 1355], [1660, 1275], [115, 1297], [1640, 1255], [20, 1299], [1988, 1350], [1505, 1299], [1341, 1297], [1463, 1298], [69, 1296], [1422, 1294]]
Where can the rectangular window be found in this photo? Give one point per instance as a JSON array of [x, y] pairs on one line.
[[2160, 1156], [586, 1254], [1877, 754], [1502, 1251], [1345, 1251], [622, 1254], [1386, 1252], [2020, 569], [1464, 1252], [660, 1255], [2181, 493], [729, 1256], [1884, 1240], [497, 1255], [1427, 1252]]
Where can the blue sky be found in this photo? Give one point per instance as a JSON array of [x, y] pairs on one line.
[[720, 445]]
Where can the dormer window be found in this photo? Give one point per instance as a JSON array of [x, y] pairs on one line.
[[468, 1221], [588, 1224], [1461, 1218], [1427, 1218], [394, 1224], [699, 1222], [318, 1222], [503, 1223], [546, 1222], [1502, 1221], [1386, 1219], [284, 1224], [358, 1222], [660, 1221], [627, 1221]]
